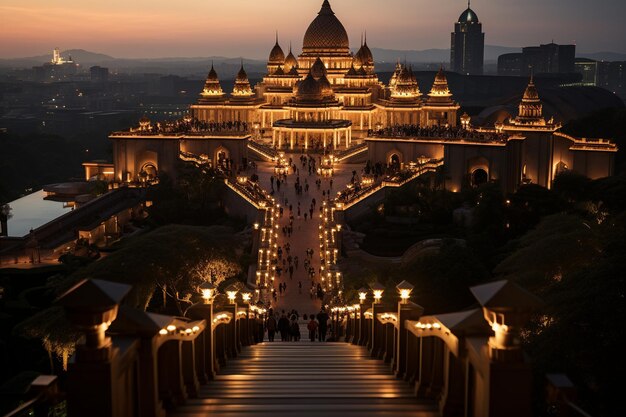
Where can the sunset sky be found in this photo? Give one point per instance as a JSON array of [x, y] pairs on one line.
[[187, 28]]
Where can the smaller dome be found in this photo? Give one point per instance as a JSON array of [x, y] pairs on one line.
[[531, 93], [277, 56], [318, 69], [309, 89], [468, 16], [440, 86], [364, 56], [242, 75], [212, 74], [290, 61]]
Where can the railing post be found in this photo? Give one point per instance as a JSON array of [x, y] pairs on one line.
[[207, 352], [91, 306], [377, 331], [507, 308], [406, 311]]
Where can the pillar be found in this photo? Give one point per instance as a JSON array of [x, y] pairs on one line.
[[291, 139], [306, 140], [406, 311]]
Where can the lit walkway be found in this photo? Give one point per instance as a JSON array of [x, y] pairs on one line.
[[305, 232], [305, 379]]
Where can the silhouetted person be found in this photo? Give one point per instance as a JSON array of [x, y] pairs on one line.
[[283, 327], [322, 318]]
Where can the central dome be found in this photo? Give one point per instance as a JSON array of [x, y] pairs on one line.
[[325, 33]]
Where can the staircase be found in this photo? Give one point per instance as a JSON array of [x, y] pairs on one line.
[[305, 379]]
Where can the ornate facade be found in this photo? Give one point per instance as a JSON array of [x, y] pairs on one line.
[[327, 95], [329, 99]]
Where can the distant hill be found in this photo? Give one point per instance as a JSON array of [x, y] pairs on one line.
[[227, 67]]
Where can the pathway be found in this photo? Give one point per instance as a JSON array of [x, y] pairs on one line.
[[305, 232]]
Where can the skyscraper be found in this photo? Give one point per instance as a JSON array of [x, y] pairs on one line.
[[467, 48]]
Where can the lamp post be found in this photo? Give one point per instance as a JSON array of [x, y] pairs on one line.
[[246, 295], [406, 311], [362, 328], [373, 344], [234, 343]]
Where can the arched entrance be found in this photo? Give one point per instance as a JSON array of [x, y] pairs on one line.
[[222, 157], [479, 177], [394, 162], [148, 172]]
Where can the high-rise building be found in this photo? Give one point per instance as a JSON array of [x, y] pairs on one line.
[[467, 50], [543, 59]]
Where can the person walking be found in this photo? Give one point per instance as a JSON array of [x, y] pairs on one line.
[[312, 327], [294, 329], [270, 325], [322, 318], [283, 327]]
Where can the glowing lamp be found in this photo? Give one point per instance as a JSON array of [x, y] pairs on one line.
[[404, 289], [362, 294], [207, 290], [231, 292], [163, 332], [170, 328], [245, 295], [378, 289]]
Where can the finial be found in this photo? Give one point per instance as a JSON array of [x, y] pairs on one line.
[[468, 3], [289, 46], [365, 39], [276, 37]]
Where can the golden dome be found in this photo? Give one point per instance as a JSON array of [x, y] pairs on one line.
[[290, 61], [406, 85], [242, 84], [325, 33], [364, 56], [440, 86], [531, 93], [212, 85], [318, 69], [277, 56]]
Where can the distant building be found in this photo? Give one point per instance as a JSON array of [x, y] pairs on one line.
[[467, 50], [57, 69], [543, 59], [99, 74], [608, 75], [510, 64]]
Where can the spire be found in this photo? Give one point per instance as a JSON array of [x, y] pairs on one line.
[[365, 38], [277, 37], [326, 9]]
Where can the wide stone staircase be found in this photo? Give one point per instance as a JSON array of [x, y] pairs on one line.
[[305, 379]]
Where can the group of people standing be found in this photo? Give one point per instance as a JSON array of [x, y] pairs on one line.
[[288, 326]]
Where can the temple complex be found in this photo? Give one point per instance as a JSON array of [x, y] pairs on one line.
[[330, 100]]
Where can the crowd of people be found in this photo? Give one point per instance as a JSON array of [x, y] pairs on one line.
[[441, 132], [287, 325]]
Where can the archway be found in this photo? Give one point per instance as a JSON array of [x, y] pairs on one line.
[[479, 177], [149, 172], [222, 157], [560, 167]]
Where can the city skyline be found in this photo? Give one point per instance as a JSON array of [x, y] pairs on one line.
[[145, 30]]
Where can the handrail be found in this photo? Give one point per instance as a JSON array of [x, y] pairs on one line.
[[24, 406]]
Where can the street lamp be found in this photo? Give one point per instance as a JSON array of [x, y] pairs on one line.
[[362, 295], [378, 289], [404, 289], [207, 290], [231, 292]]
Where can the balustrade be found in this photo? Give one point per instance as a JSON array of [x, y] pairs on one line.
[[135, 363], [469, 363]]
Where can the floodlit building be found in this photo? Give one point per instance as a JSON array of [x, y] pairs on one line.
[[330, 100]]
